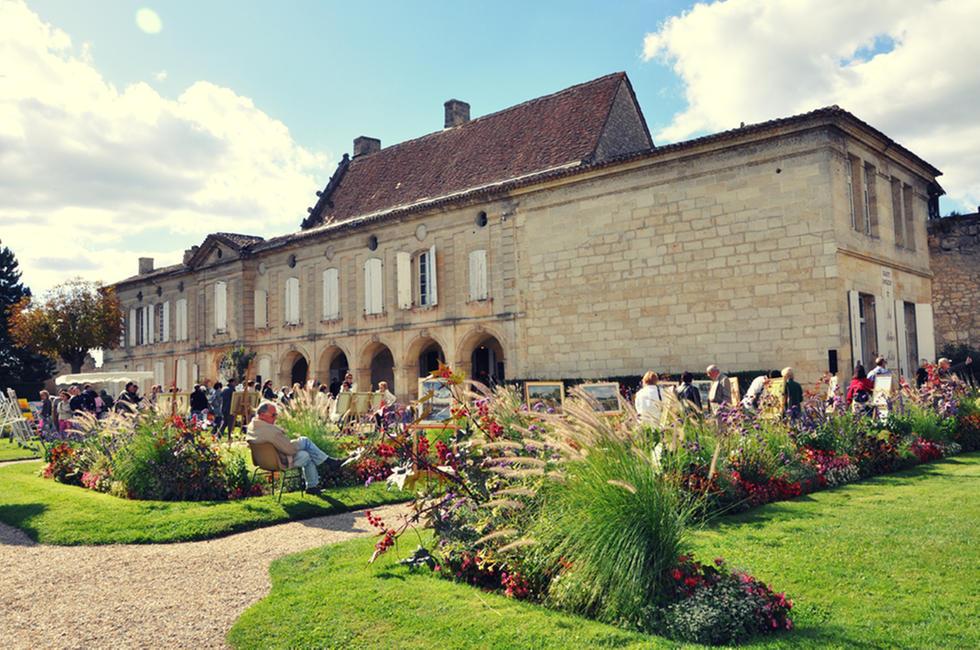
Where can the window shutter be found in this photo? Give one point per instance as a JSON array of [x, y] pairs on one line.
[[265, 368], [433, 285], [478, 275], [152, 314], [158, 373], [133, 324], [220, 306], [403, 271], [146, 325], [165, 334], [181, 319], [294, 298], [260, 309], [925, 336], [857, 353], [373, 290], [331, 294], [883, 325], [367, 286], [377, 287], [181, 378]]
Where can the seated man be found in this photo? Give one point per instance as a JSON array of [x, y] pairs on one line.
[[292, 453]]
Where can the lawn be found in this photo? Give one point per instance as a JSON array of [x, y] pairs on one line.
[[890, 562], [53, 513], [12, 451]]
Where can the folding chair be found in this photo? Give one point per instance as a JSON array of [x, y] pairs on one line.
[[266, 459]]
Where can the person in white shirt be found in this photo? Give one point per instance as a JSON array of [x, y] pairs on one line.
[[649, 399], [879, 369]]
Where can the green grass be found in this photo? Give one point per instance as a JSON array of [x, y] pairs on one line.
[[12, 451], [53, 513], [888, 563]]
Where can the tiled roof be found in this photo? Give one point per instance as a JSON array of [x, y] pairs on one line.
[[540, 134], [236, 240]]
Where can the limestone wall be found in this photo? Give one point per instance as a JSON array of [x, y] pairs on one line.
[[954, 248]]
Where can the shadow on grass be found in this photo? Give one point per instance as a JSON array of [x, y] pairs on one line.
[[20, 516]]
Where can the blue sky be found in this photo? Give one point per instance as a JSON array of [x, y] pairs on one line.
[[332, 71], [119, 143]]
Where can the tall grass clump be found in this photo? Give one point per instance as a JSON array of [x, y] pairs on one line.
[[308, 414]]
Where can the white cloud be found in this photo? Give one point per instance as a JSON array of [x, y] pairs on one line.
[[908, 68], [160, 76], [149, 21], [95, 175]]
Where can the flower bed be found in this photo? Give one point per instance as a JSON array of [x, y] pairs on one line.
[[589, 514]]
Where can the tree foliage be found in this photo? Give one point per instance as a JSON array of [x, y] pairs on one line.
[[235, 363], [71, 319], [20, 368]]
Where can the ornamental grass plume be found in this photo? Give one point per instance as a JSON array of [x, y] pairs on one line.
[[308, 414]]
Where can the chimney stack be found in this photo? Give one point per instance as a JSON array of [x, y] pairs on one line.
[[457, 113], [146, 265], [365, 145]]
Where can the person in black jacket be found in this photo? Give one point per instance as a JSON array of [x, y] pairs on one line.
[[268, 392], [199, 403], [227, 422], [129, 399], [688, 392]]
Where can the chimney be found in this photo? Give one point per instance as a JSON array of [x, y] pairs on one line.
[[146, 265], [457, 113], [365, 145], [189, 253]]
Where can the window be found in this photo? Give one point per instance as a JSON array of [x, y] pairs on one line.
[[911, 339], [261, 308], [897, 213], [183, 380], [373, 286], [220, 306], [869, 328], [403, 278], [907, 196], [478, 275], [870, 201], [426, 287], [181, 319], [291, 310], [331, 294], [142, 325], [854, 190]]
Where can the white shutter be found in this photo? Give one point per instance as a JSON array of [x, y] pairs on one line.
[[165, 334], [152, 312], [331, 294], [373, 289], [260, 307], [857, 353], [902, 364], [158, 373], [182, 319], [146, 325], [478, 275], [195, 373], [291, 311], [220, 306], [925, 336], [433, 286], [403, 273], [265, 368], [182, 381], [883, 326], [133, 324]]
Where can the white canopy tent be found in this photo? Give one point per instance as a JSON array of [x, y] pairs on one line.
[[114, 382]]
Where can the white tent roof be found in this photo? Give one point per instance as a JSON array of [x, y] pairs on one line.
[[103, 377]]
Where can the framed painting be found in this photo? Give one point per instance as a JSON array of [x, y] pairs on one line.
[[438, 408], [544, 395], [704, 388], [736, 391], [606, 396]]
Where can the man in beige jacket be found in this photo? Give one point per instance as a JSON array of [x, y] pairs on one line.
[[292, 453]]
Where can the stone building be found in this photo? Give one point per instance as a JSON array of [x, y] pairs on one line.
[[553, 239], [954, 250]]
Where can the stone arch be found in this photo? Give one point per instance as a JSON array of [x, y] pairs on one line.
[[294, 363], [335, 362], [376, 363], [418, 348], [481, 354]]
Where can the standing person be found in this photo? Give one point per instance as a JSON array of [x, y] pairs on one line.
[[300, 452], [268, 392], [348, 385], [687, 392], [946, 368], [720, 393], [47, 413], [792, 395], [214, 405], [106, 399], [859, 391], [77, 402], [129, 399], [922, 375], [880, 369], [199, 403], [649, 399], [90, 400], [227, 421], [63, 411]]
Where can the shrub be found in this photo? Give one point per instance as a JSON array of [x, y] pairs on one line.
[[308, 415], [63, 464], [239, 477]]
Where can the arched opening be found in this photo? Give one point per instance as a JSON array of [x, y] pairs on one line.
[[487, 361], [429, 359], [382, 369], [332, 368], [300, 371]]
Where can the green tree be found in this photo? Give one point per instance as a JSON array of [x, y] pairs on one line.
[[72, 318], [235, 363], [20, 368]]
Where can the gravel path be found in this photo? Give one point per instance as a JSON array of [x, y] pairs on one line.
[[154, 595]]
